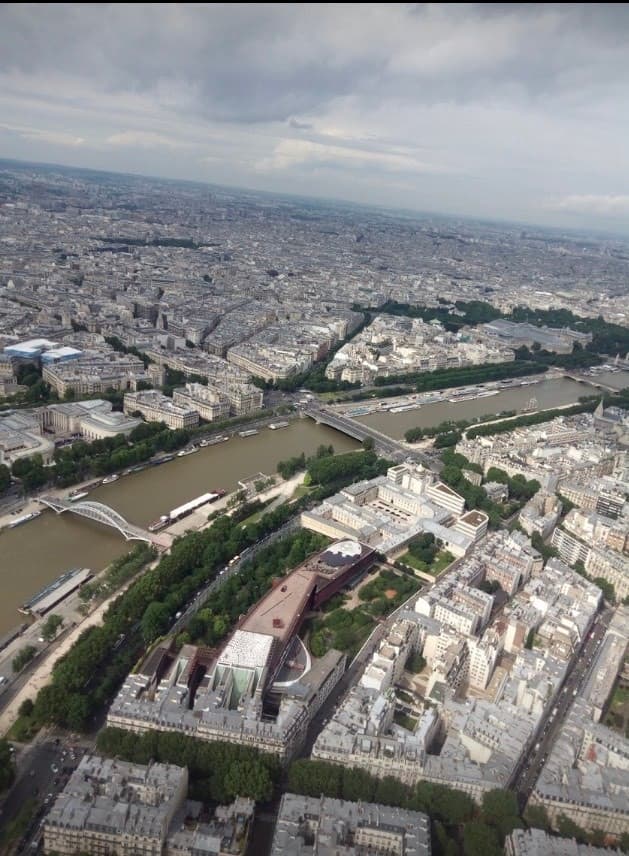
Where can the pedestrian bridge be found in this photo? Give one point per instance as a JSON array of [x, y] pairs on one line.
[[101, 513]]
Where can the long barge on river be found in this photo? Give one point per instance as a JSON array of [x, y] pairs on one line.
[[54, 593], [184, 510]]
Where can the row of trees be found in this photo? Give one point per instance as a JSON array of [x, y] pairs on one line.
[[578, 359], [219, 772], [464, 375], [290, 466], [120, 571], [352, 466], [238, 594], [585, 405], [414, 435], [467, 312]]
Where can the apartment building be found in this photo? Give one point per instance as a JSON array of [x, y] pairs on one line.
[[115, 807], [320, 826], [569, 548], [209, 404], [156, 407], [110, 806]]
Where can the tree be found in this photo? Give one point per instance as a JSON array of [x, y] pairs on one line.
[[609, 592], [368, 444], [567, 828], [446, 846], [155, 621], [500, 809], [415, 663], [5, 477], [450, 438], [51, 626], [537, 817], [26, 708], [7, 770], [313, 778], [318, 645], [358, 785], [23, 657], [479, 839], [391, 791]]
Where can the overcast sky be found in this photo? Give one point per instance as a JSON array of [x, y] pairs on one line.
[[509, 111]]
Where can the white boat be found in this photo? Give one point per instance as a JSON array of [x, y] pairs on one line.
[[431, 397], [464, 396], [251, 433], [275, 425], [23, 519], [184, 452], [214, 440], [402, 408], [110, 479], [81, 494]]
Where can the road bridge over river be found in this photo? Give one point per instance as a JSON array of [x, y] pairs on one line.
[[394, 449]]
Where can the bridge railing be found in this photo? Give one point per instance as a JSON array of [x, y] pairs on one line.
[[100, 513]]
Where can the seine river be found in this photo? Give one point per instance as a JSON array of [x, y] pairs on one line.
[[548, 393], [37, 552]]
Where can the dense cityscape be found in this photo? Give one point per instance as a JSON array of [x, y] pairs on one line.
[[416, 646]]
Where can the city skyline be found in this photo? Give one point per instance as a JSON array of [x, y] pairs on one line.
[[412, 113]]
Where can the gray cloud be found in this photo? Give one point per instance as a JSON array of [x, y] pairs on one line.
[[420, 105], [300, 126]]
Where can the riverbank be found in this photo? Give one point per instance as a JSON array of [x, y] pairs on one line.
[[41, 675], [499, 419], [203, 435], [530, 395], [37, 552], [416, 400]]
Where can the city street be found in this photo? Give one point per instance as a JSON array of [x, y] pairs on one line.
[[43, 768], [535, 759]]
